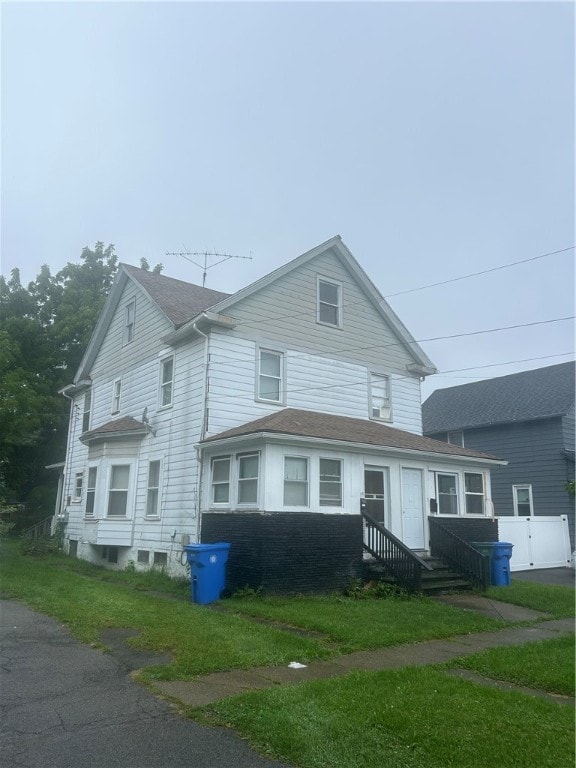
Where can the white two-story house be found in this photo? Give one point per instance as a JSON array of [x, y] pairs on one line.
[[295, 397]]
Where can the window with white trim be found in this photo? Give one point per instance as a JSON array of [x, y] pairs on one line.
[[91, 491], [329, 302], [118, 487], [78, 483], [129, 322], [474, 493], [295, 481], [270, 375], [86, 411], [166, 381], [447, 493], [330, 483], [523, 503], [380, 402], [248, 466], [153, 489], [116, 395], [221, 480]]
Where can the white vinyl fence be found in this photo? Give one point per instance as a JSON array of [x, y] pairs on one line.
[[539, 542]]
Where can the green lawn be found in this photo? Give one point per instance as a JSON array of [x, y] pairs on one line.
[[410, 718], [555, 600], [548, 665]]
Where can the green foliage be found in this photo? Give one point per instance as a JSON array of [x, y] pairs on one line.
[[44, 331], [571, 487], [243, 593], [39, 546], [375, 590]]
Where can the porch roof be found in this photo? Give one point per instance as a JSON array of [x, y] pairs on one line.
[[124, 428], [326, 426]]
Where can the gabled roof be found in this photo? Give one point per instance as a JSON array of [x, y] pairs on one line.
[[325, 426], [180, 301], [536, 394], [336, 246]]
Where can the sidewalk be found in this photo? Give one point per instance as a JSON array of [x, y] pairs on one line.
[[207, 689]]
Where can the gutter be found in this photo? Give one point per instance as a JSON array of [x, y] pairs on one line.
[[191, 329]]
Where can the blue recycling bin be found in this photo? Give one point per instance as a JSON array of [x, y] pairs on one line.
[[207, 570], [499, 554], [500, 564]]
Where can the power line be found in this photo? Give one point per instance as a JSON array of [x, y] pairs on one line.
[[476, 274]]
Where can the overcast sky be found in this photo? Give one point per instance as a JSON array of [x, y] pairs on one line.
[[436, 138]]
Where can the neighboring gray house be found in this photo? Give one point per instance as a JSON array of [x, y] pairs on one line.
[[195, 414], [526, 418]]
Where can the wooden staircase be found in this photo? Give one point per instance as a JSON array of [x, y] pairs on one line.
[[438, 580]]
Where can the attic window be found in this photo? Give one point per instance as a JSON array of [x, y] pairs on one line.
[[329, 308], [129, 322]]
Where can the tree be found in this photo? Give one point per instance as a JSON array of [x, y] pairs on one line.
[[44, 331]]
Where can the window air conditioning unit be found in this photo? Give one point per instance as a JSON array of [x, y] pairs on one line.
[[385, 412]]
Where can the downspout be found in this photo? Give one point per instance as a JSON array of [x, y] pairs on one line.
[[203, 429]]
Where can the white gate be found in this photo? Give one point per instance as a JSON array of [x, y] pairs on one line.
[[539, 542]]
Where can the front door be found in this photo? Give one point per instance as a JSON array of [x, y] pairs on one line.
[[374, 494], [412, 511]]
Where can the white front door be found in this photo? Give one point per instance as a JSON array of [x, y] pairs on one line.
[[412, 510]]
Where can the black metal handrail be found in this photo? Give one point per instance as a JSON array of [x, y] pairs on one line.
[[41, 529], [459, 554], [398, 559]]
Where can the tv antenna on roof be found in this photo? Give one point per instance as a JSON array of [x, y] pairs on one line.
[[206, 255]]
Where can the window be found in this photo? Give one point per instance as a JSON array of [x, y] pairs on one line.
[[248, 479], [166, 381], [116, 394], [129, 322], [456, 438], [329, 303], [221, 480], [295, 481], [152, 496], [91, 491], [143, 556], [86, 411], [118, 490], [380, 406], [330, 483], [523, 505], [270, 365], [474, 493], [78, 482], [160, 559], [447, 489]]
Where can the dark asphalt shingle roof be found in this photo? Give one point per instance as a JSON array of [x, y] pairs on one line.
[[291, 421], [117, 426], [543, 392], [180, 301]]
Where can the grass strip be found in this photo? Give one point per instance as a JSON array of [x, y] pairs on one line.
[[410, 718], [547, 664], [555, 600]]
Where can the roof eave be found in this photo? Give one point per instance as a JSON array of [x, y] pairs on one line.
[[190, 329]]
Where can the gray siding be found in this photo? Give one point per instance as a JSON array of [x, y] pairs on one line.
[[535, 454]]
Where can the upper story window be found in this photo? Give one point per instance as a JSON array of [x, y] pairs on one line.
[[91, 491], [129, 320], [221, 480], [474, 493], [86, 411], [270, 375], [78, 482], [116, 395], [456, 438], [166, 381], [330, 483], [248, 467], [380, 401], [329, 303], [118, 487], [295, 481], [523, 504], [153, 491]]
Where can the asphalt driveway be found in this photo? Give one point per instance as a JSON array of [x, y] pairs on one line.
[[66, 705]]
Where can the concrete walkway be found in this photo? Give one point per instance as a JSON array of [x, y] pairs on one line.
[[207, 689]]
